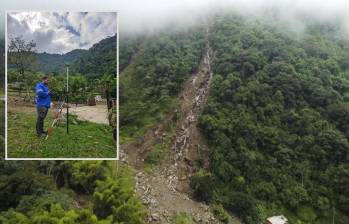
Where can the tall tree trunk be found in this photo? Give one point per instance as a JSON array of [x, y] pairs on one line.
[[27, 97], [20, 90], [109, 103]]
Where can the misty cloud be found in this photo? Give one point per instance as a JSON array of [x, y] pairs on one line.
[[61, 32], [139, 15]]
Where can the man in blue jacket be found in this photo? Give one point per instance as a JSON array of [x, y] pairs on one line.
[[43, 103]]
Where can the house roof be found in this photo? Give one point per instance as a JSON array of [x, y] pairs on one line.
[[280, 219]]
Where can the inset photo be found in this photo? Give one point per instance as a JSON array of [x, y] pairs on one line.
[[61, 85]]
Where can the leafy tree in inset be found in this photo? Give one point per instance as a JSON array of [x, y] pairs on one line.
[[21, 54], [77, 88]]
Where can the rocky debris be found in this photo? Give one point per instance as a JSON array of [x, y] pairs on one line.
[[181, 144], [158, 214], [191, 118], [155, 217], [158, 191], [140, 141], [205, 219], [123, 156]]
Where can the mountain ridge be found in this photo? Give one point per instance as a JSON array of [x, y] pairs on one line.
[[54, 63], [93, 62]]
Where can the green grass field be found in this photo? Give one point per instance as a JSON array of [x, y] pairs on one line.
[[85, 139]]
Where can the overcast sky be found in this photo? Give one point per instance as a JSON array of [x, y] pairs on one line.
[[61, 32], [135, 15]]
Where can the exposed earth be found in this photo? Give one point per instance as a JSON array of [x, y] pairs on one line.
[[166, 190], [97, 114]]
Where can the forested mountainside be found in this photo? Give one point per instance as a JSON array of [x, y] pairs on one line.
[[2, 64], [150, 84], [55, 63], [277, 121], [100, 59], [2, 88], [129, 46]]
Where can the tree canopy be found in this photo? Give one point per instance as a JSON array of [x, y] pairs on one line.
[[277, 120]]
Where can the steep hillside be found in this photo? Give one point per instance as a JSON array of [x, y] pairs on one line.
[[100, 59], [150, 85], [171, 152], [277, 121], [129, 46], [55, 63], [2, 64]]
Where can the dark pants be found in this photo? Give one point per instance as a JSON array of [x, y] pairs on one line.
[[42, 112]]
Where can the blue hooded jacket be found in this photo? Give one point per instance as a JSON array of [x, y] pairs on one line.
[[43, 98]]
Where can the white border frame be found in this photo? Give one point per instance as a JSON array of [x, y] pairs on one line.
[[117, 87]]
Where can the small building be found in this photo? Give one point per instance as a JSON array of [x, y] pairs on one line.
[[98, 98], [280, 219]]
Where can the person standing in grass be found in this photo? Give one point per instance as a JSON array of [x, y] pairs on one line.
[[43, 103]]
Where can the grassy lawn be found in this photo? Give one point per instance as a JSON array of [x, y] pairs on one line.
[[85, 139]]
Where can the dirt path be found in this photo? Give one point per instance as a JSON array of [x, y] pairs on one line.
[[166, 190], [97, 114]]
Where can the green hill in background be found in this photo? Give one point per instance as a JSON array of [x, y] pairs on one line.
[[98, 60], [93, 63], [55, 63]]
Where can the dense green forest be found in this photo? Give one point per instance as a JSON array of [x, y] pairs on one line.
[[2, 65], [129, 47], [277, 121], [150, 84], [85, 192]]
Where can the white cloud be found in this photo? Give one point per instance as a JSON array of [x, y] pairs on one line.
[[136, 15], [61, 32]]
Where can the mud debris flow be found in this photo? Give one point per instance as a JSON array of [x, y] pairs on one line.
[[166, 191]]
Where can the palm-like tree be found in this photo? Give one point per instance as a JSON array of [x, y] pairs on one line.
[[106, 83]]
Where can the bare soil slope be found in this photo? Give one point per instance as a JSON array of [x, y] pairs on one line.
[[166, 190]]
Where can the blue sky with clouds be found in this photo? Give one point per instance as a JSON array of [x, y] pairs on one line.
[[61, 32]]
